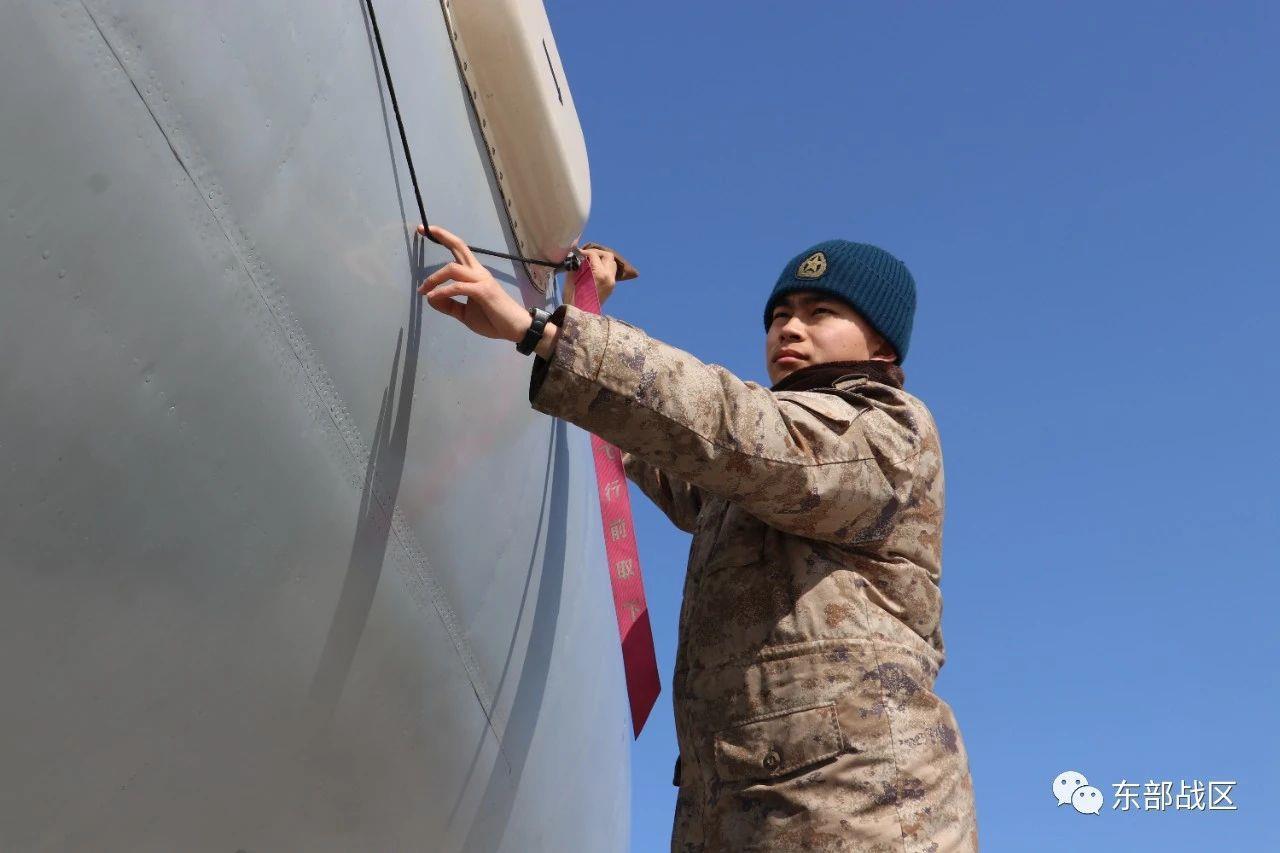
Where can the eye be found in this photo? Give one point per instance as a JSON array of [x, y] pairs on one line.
[[823, 308]]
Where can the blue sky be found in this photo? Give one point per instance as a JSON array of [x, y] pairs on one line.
[[1088, 196]]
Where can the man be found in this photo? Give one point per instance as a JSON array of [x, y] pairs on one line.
[[810, 632]]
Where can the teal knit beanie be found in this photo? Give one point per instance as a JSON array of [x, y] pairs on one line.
[[874, 282]]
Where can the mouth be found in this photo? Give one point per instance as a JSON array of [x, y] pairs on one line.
[[787, 357]]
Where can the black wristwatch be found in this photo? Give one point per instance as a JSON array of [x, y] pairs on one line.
[[534, 334]]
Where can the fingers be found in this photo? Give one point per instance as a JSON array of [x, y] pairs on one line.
[[469, 289], [447, 306], [454, 244], [449, 272], [441, 298], [604, 263], [604, 271]]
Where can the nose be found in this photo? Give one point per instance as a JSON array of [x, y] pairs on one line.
[[792, 329]]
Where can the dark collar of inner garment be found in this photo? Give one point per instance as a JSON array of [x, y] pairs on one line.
[[825, 375]]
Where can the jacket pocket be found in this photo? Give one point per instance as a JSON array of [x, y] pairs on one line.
[[778, 743]]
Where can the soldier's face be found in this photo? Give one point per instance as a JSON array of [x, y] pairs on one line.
[[810, 327]]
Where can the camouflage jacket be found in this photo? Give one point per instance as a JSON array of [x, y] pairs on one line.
[[810, 628]]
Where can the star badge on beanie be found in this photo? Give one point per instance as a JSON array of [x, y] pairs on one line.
[[813, 267]]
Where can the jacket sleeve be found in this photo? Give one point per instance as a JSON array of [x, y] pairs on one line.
[[679, 499], [827, 466]]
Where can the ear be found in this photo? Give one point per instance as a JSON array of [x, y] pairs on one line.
[[884, 350]]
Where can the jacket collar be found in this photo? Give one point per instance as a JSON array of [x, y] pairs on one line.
[[826, 375]]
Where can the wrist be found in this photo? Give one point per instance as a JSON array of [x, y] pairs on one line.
[[522, 328], [533, 332], [547, 346]]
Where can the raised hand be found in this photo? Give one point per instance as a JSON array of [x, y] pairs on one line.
[[489, 310], [607, 268], [604, 269]]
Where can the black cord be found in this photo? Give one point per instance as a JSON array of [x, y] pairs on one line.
[[571, 262]]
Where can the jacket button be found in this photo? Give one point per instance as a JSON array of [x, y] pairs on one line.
[[772, 760]]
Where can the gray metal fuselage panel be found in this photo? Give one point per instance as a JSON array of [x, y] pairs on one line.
[[286, 559]]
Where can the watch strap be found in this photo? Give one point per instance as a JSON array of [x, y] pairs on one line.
[[534, 334]]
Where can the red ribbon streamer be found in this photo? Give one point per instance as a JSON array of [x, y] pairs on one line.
[[638, 658]]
